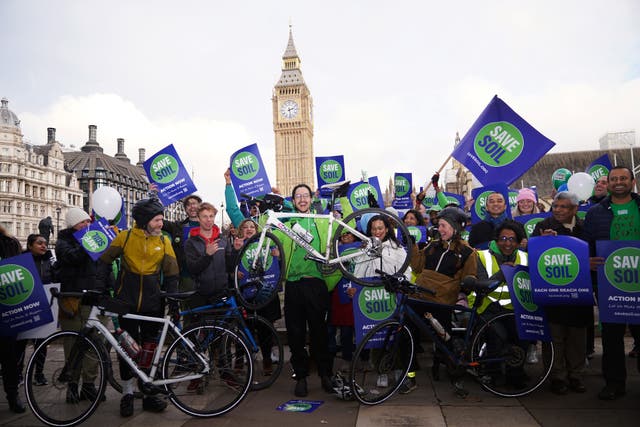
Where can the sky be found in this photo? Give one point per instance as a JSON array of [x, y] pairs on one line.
[[392, 82]]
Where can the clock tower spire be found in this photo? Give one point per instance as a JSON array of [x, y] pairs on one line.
[[293, 124]]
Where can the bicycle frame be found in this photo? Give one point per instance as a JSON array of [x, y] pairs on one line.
[[94, 323], [274, 221]]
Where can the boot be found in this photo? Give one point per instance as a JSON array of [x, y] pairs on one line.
[[15, 405]]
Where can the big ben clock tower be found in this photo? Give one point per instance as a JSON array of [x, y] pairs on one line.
[[293, 124]]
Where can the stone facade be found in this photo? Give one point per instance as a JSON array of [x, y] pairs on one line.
[[33, 181]]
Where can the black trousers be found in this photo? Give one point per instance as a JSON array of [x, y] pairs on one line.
[[9, 361], [614, 364], [306, 302]]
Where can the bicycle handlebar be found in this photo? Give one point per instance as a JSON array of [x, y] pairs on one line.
[[398, 283]]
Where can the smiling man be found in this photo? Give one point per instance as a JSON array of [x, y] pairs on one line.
[[616, 217]]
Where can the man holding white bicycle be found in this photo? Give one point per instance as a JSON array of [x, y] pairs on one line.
[[306, 298]]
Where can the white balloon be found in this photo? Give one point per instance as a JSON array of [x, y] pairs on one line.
[[107, 202], [581, 184]]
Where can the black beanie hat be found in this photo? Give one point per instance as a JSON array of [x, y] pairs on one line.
[[144, 210]]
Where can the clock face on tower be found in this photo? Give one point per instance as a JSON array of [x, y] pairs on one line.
[[289, 109]]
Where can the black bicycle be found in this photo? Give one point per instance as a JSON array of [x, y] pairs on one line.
[[489, 349]]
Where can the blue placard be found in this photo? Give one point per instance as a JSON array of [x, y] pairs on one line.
[[371, 305], [479, 209], [418, 232], [529, 221], [559, 269], [430, 201], [619, 281], [167, 172], [329, 170], [530, 319], [501, 145], [23, 302], [248, 174], [599, 167], [403, 185], [358, 193], [96, 238]]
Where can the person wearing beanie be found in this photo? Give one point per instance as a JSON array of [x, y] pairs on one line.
[[526, 203], [76, 272], [440, 266], [148, 265]]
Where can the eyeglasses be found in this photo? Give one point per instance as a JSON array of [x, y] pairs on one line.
[[507, 239], [302, 196]]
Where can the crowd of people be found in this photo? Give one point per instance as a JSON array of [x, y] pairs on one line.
[[195, 254]]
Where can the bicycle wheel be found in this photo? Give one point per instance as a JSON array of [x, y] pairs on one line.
[[268, 355], [219, 389], [259, 273], [63, 401], [381, 362], [502, 357], [390, 256]]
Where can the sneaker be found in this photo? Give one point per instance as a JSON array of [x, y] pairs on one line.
[[610, 392], [327, 384], [559, 387], [532, 356], [153, 404], [126, 405], [89, 392], [408, 385], [72, 393], [577, 385], [39, 379], [301, 388], [382, 381], [16, 406]]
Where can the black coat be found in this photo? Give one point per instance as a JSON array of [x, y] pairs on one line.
[[75, 269], [208, 271], [44, 265]]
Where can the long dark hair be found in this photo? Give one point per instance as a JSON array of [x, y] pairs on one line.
[[416, 214], [391, 232]]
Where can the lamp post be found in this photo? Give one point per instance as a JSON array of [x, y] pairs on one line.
[[58, 210]]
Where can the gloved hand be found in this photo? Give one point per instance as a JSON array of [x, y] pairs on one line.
[[371, 200], [434, 179]]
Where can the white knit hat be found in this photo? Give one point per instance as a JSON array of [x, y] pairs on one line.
[[74, 216]]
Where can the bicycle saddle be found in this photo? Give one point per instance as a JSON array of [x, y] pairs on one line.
[[339, 189]]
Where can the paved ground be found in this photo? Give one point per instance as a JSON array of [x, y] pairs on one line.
[[432, 404]]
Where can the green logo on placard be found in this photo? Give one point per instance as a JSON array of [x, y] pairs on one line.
[[16, 284], [522, 288], [402, 186], [164, 168], [330, 171], [250, 254], [622, 269], [415, 232], [512, 199], [376, 303], [530, 225], [360, 194], [245, 165], [95, 241], [597, 172], [558, 266], [481, 204], [498, 143], [297, 407]]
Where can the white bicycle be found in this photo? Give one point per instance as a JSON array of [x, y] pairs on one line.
[[205, 372], [260, 266]]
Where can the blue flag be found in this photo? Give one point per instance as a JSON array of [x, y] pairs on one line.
[[599, 167], [501, 145], [403, 184], [248, 174], [165, 169], [329, 170]]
